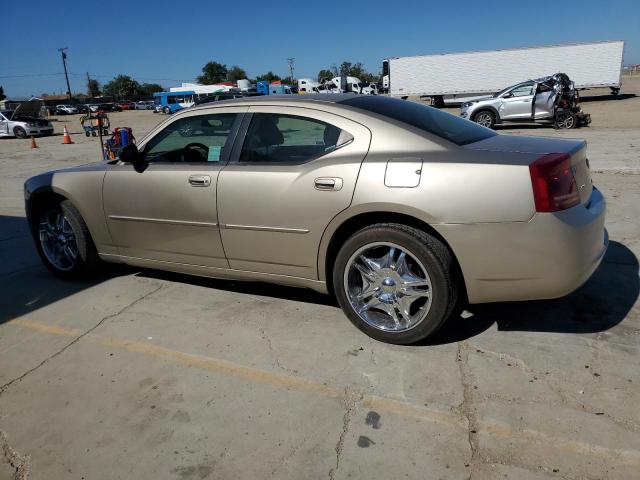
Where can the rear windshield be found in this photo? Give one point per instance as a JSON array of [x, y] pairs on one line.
[[429, 119]]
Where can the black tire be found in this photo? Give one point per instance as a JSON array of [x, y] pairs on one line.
[[88, 262], [437, 101], [486, 118], [167, 110], [20, 132], [431, 252]]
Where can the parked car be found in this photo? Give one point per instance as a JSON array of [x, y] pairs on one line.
[[65, 110], [93, 107], [109, 107], [145, 105], [126, 105], [24, 121], [549, 100], [397, 208], [82, 108]]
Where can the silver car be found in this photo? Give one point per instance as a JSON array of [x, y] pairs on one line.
[[399, 210], [24, 121], [531, 101]]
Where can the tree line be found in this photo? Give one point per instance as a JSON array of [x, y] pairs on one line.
[[214, 72], [124, 87]]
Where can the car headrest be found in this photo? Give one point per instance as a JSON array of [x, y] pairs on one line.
[[265, 132], [331, 135]]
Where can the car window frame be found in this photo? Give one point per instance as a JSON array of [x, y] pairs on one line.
[[226, 153], [241, 138]]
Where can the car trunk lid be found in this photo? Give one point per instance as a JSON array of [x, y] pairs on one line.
[[533, 148]]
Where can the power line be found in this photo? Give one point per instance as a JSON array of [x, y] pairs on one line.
[[23, 75]]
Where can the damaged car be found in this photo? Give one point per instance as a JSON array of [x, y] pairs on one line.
[[24, 121], [551, 100]]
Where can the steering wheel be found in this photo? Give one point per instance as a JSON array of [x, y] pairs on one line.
[[184, 156]]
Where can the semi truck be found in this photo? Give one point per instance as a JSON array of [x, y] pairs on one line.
[[455, 78]]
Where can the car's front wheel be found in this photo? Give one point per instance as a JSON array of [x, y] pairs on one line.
[[395, 283], [64, 243], [485, 118], [20, 132]]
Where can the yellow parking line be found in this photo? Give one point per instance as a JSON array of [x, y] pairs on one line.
[[374, 402]]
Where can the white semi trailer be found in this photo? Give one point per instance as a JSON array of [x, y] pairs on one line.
[[454, 78]]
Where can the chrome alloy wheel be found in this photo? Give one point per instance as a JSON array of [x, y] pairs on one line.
[[58, 241], [484, 119], [388, 287]]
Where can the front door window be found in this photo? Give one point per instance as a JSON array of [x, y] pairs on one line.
[[194, 139]]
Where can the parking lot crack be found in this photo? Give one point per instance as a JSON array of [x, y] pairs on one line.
[[276, 360], [20, 463], [466, 407], [4, 387], [350, 400]]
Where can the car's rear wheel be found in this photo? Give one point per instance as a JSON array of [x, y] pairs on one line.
[[20, 132], [395, 282], [485, 118], [64, 243], [166, 110]]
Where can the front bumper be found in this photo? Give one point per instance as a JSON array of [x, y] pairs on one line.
[[549, 256], [39, 130]]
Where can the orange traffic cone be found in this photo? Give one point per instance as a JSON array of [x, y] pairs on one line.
[[33, 142], [66, 139]]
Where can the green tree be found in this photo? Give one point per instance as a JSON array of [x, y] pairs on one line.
[[236, 73], [93, 88], [213, 72], [269, 77], [325, 74], [123, 87], [148, 89], [2, 95]]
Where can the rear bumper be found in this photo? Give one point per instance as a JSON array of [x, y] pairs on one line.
[[549, 256]]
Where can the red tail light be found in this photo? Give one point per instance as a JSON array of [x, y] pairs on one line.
[[554, 186]]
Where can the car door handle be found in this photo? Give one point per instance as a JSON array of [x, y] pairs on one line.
[[200, 180], [327, 183]]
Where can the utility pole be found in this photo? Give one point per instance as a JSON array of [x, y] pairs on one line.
[[291, 61], [64, 64]]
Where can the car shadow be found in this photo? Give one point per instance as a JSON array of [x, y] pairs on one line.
[[25, 284], [600, 304], [609, 97], [253, 288]]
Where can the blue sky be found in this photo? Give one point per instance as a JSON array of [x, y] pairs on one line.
[[168, 42]]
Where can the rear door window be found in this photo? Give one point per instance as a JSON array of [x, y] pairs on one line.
[[289, 139]]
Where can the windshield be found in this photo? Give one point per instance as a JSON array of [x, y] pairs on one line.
[[428, 119]]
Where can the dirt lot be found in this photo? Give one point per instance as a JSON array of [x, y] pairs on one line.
[[141, 374]]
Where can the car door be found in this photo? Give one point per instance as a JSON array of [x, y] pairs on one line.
[[516, 104], [168, 212], [544, 101], [4, 125], [295, 170]]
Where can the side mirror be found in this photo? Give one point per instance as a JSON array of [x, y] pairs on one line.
[[507, 95], [130, 154]]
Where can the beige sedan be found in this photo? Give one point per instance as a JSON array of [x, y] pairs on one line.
[[403, 212]]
